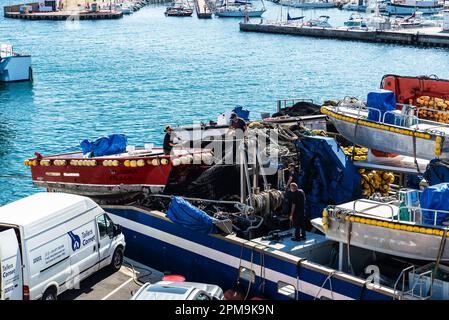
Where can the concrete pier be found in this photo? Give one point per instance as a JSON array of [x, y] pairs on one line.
[[202, 9], [64, 15], [427, 37]]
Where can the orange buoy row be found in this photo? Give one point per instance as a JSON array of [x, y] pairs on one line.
[[376, 125], [382, 224]]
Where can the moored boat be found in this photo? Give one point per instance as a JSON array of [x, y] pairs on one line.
[[136, 170], [416, 124], [14, 66], [179, 9]]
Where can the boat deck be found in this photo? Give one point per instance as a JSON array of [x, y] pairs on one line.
[[308, 249], [372, 208]]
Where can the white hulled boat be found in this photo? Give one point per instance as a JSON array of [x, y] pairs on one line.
[[408, 7], [14, 66], [238, 10]]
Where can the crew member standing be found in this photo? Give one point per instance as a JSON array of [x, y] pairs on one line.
[[237, 123], [168, 140], [297, 212], [292, 175]]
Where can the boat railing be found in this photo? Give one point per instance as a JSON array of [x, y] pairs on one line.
[[287, 103], [419, 211], [374, 205], [413, 283], [360, 110], [414, 213]]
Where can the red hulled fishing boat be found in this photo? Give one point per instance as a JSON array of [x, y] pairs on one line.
[[132, 171]]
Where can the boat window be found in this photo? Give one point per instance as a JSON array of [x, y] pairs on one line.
[[286, 289], [109, 225], [102, 227], [247, 274]]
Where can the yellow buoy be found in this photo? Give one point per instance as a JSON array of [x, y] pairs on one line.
[[164, 161], [115, 163], [133, 163], [325, 213], [26, 162], [126, 163]]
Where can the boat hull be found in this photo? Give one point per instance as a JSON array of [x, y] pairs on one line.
[[397, 9], [15, 68], [240, 14], [154, 240], [371, 136], [109, 176]]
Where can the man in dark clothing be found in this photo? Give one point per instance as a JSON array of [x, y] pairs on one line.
[[237, 123], [168, 140], [297, 214], [292, 175]]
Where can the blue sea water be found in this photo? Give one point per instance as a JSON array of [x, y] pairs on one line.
[[136, 74]]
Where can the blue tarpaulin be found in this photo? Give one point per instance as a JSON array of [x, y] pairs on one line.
[[382, 100], [435, 197], [327, 175], [105, 146], [184, 213], [437, 171]]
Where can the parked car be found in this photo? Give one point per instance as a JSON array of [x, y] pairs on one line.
[[170, 290], [51, 241]]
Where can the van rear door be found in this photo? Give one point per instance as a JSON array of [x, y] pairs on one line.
[[11, 282]]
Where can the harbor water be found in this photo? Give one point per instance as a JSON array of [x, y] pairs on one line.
[[136, 74]]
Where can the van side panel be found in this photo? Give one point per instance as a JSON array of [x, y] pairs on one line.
[[49, 260], [84, 250]]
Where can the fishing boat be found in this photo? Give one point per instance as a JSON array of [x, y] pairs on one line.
[[237, 10], [408, 7], [416, 124], [179, 9], [379, 227], [14, 66], [132, 171]]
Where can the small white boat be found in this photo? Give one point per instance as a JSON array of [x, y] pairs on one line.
[[354, 7], [238, 10], [314, 4], [14, 66], [355, 21], [408, 7], [126, 8], [321, 21], [377, 226]]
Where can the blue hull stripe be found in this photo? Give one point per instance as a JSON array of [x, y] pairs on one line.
[[215, 259]]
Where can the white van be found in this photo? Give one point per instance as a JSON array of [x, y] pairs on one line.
[[51, 241]]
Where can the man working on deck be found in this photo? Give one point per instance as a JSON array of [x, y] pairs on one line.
[[237, 123], [168, 140], [297, 214]]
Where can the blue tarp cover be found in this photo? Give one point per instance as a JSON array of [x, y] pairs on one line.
[[105, 146], [435, 197], [243, 114], [189, 216], [382, 100], [327, 175]]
